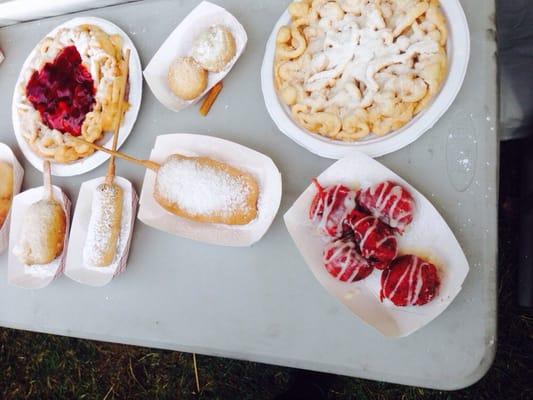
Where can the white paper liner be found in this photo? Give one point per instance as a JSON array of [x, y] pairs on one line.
[[261, 167], [35, 276], [18, 174], [76, 267], [374, 146], [180, 42], [428, 236], [135, 94]]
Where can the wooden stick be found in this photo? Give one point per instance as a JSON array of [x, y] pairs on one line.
[[144, 163], [47, 179], [111, 169], [196, 375], [210, 98]]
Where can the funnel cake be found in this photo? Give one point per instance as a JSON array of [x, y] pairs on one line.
[[348, 68], [72, 87]]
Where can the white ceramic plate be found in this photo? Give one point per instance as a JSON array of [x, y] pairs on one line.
[[374, 146], [261, 167], [179, 43], [135, 80], [35, 276], [428, 236], [18, 174], [76, 268]]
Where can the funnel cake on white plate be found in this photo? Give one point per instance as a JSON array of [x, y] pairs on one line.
[[72, 87], [349, 68]]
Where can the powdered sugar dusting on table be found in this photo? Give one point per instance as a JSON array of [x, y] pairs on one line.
[[201, 190]]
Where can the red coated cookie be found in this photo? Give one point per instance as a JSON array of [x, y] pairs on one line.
[[409, 281], [330, 206], [377, 242], [390, 203], [343, 261]]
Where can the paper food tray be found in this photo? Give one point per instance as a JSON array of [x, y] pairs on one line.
[[35, 276], [428, 236], [18, 174], [180, 42], [135, 94], [76, 267], [261, 167], [374, 146]]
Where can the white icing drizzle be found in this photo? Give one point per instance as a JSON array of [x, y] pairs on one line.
[[342, 253], [354, 49], [328, 215], [413, 275], [363, 237], [396, 216]]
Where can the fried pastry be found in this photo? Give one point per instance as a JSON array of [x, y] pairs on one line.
[[349, 68], [214, 48], [206, 190], [410, 281], [104, 226], [43, 229], [43, 233], [71, 88], [186, 78], [6, 190]]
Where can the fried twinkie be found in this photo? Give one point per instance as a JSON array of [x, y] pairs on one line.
[[206, 190], [43, 229], [200, 189], [104, 225], [6, 190]]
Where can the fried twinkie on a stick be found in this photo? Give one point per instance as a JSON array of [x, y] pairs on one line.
[[43, 230], [6, 190], [104, 225], [106, 213]]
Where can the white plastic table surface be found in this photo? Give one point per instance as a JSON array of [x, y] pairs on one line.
[[262, 303]]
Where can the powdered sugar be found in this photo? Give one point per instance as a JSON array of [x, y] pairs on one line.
[[214, 48], [34, 239], [100, 232], [199, 189]]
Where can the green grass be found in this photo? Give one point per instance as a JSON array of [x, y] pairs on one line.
[[43, 366]]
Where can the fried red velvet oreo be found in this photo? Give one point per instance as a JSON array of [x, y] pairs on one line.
[[344, 262], [390, 203], [409, 281], [377, 242], [330, 206]]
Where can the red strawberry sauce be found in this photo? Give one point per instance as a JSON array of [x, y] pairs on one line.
[[63, 92]]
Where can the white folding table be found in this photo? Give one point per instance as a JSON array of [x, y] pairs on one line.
[[262, 303]]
